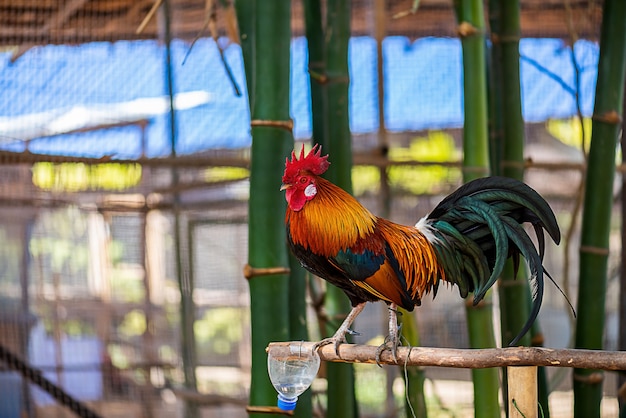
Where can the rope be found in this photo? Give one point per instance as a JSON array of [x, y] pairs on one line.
[[35, 376]]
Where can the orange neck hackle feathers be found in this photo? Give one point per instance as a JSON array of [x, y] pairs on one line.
[[331, 222]]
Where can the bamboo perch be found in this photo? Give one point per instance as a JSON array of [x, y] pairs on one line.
[[468, 358]]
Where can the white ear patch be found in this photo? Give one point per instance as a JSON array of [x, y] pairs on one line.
[[310, 190]]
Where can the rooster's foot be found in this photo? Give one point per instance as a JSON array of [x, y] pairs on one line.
[[335, 340], [391, 343], [340, 336]]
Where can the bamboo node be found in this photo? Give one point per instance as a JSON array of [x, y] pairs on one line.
[[590, 379], [611, 117], [480, 305], [503, 39], [476, 170], [593, 250], [512, 283], [282, 124], [250, 272], [317, 76], [331, 79], [513, 164], [466, 30]]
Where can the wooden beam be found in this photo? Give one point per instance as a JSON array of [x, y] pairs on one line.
[[191, 161], [106, 20], [59, 18]]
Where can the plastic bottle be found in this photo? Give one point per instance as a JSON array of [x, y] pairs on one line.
[[293, 373]]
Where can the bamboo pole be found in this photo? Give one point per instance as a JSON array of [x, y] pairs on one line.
[[508, 149], [507, 159], [467, 358], [522, 388], [265, 34], [328, 67], [318, 79], [598, 202], [298, 329], [470, 16]]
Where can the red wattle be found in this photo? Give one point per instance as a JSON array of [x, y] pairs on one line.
[[295, 199]]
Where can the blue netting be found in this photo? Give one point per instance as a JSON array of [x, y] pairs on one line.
[[54, 89]]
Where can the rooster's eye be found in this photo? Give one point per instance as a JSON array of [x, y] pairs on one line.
[[303, 180]]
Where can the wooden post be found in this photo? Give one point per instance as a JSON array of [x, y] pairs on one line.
[[522, 386]]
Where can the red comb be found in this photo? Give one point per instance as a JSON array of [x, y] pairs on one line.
[[313, 162]]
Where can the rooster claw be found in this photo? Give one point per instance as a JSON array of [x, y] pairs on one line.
[[331, 340], [340, 335], [353, 332], [390, 344]]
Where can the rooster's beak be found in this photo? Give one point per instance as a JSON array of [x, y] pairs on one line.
[[284, 187]]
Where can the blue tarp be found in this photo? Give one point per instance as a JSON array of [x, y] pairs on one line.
[[53, 89]]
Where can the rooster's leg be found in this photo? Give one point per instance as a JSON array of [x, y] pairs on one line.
[[340, 334], [393, 339]]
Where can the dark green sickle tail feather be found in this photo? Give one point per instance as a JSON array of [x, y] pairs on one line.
[[479, 226]]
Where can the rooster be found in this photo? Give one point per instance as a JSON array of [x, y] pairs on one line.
[[464, 241]]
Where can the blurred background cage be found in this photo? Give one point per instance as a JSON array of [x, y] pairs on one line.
[[124, 135]]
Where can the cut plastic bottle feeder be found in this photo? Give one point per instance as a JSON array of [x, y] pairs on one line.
[[292, 369]]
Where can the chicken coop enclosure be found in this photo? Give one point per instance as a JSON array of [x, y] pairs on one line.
[[124, 166]]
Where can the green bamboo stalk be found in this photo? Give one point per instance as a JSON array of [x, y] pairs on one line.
[[317, 70], [470, 16], [328, 71], [298, 330], [338, 125], [341, 395], [598, 200], [494, 86], [413, 376], [507, 159], [503, 140], [265, 32], [512, 164]]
